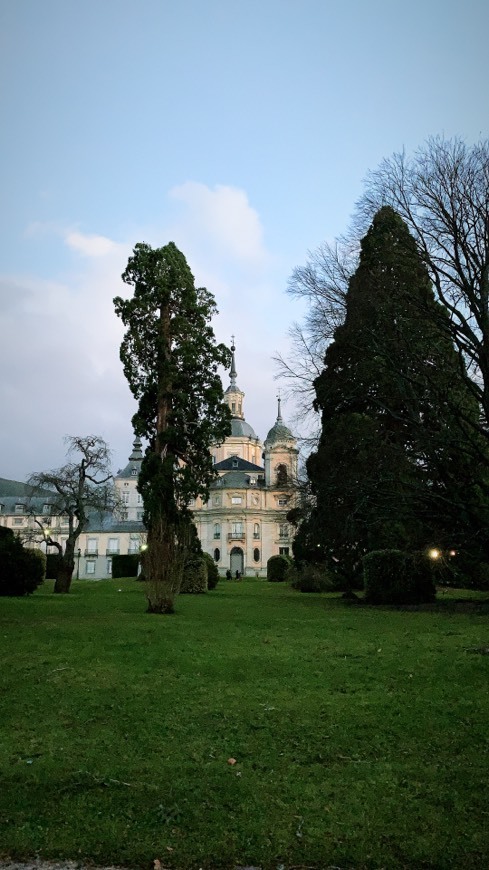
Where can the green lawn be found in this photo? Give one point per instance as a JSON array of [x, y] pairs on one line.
[[360, 735]]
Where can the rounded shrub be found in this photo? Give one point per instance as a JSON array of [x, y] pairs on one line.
[[277, 567], [212, 571], [21, 570], [311, 578], [394, 577]]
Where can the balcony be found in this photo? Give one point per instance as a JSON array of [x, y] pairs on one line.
[[91, 553], [236, 536], [112, 552]]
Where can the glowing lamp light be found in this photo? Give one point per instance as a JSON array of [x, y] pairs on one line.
[[452, 553], [434, 553]]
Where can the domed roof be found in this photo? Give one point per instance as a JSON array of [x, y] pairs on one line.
[[241, 427], [279, 431]]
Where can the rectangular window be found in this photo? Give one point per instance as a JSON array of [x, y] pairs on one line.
[[125, 498], [113, 545], [283, 531], [282, 501], [140, 515], [18, 521], [140, 498], [19, 508], [283, 551], [92, 545], [133, 545], [90, 567], [236, 499], [109, 567], [46, 509]]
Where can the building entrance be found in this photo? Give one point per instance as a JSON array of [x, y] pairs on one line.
[[237, 561]]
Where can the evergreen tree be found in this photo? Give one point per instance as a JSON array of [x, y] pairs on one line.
[[392, 467], [171, 362]]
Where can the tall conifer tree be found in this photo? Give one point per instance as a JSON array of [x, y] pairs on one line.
[[392, 467], [171, 362]]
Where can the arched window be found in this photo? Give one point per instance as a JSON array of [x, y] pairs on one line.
[[256, 554], [281, 475], [217, 555]]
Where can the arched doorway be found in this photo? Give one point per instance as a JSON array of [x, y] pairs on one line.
[[237, 561]]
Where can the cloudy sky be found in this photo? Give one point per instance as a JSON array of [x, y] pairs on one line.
[[239, 129]]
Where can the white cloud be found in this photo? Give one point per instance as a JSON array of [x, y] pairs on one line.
[[60, 339], [224, 216], [90, 245]]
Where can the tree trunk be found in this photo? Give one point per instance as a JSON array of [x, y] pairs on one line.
[[63, 577], [163, 566]]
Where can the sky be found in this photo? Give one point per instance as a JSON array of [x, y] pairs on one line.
[[241, 131]]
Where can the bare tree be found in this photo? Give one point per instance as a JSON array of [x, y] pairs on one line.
[[78, 488], [322, 283]]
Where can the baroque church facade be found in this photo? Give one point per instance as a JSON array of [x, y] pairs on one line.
[[241, 525]]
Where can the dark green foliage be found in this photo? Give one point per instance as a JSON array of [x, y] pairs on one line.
[[277, 567], [392, 468], [194, 579], [171, 362], [311, 578], [394, 577], [212, 571], [125, 565], [21, 570]]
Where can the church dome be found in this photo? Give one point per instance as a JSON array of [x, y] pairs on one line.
[[241, 427], [279, 431]]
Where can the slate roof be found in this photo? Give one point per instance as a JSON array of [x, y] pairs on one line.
[[15, 488], [238, 480], [242, 465]]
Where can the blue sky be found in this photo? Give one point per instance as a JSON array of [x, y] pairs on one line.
[[242, 131]]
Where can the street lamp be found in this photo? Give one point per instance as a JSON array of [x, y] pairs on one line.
[[78, 565]]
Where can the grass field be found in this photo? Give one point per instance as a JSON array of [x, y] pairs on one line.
[[360, 735]]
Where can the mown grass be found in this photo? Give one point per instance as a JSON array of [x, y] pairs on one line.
[[360, 735]]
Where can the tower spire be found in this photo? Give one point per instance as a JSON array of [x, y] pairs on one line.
[[233, 373], [279, 415]]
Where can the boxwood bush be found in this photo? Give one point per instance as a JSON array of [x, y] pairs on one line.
[[21, 570], [311, 578], [212, 571], [277, 567], [394, 577], [195, 576]]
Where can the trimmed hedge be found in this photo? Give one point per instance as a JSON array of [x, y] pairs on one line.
[[21, 570], [212, 571], [394, 577], [125, 566], [277, 567], [52, 563], [194, 580]]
